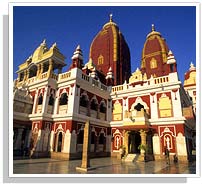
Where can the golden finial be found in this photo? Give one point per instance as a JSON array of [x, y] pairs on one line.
[[153, 28], [110, 17]]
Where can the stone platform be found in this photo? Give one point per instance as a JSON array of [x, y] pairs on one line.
[[101, 166]]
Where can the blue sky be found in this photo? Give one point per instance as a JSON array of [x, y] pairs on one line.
[[69, 26]]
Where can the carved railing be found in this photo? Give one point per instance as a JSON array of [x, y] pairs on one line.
[[54, 76], [85, 77], [65, 75]]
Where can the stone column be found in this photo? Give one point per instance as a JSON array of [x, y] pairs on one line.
[[29, 138], [76, 98], [98, 112], [38, 70], [35, 102], [85, 165], [143, 139], [50, 69], [181, 147], [126, 135], [45, 100], [72, 100], [19, 76], [38, 142], [108, 143], [19, 139], [25, 75], [55, 111], [67, 142], [73, 142], [51, 142], [41, 70], [97, 144], [88, 109], [156, 146], [108, 110]]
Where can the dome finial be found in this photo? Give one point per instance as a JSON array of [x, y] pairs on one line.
[[192, 67], [44, 42], [110, 17], [153, 28]]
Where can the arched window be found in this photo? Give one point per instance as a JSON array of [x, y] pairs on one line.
[[40, 100], [102, 108], [51, 100], [138, 107], [80, 137], [32, 71], [63, 99], [102, 138], [83, 101], [94, 105], [59, 147], [21, 76], [92, 137], [153, 63], [45, 67]]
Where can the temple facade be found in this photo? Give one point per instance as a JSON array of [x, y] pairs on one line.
[[142, 113]]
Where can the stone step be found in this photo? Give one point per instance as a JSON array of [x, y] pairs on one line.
[[131, 157]]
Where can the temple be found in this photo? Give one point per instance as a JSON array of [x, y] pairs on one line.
[[142, 113]]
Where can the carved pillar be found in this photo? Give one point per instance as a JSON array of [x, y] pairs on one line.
[[126, 140], [86, 146], [19, 76], [45, 100], [108, 110], [96, 143], [35, 102], [19, 139], [143, 136], [98, 112], [51, 142], [50, 69], [25, 75], [56, 103], [29, 138], [41, 70], [88, 109], [38, 70]]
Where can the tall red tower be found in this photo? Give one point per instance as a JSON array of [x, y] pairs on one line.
[[157, 60], [109, 49]]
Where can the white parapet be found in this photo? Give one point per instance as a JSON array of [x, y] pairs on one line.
[[173, 77]]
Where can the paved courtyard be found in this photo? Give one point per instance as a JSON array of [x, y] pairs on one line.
[[102, 166]]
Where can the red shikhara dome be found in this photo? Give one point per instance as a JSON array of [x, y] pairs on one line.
[[109, 49], [155, 55]]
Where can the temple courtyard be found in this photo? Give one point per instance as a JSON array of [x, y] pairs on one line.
[[101, 166]]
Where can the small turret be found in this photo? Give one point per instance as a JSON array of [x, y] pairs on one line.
[[190, 76], [77, 58], [171, 61], [94, 73], [110, 77]]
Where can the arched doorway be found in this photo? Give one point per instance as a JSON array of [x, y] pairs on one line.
[[134, 140], [59, 147]]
